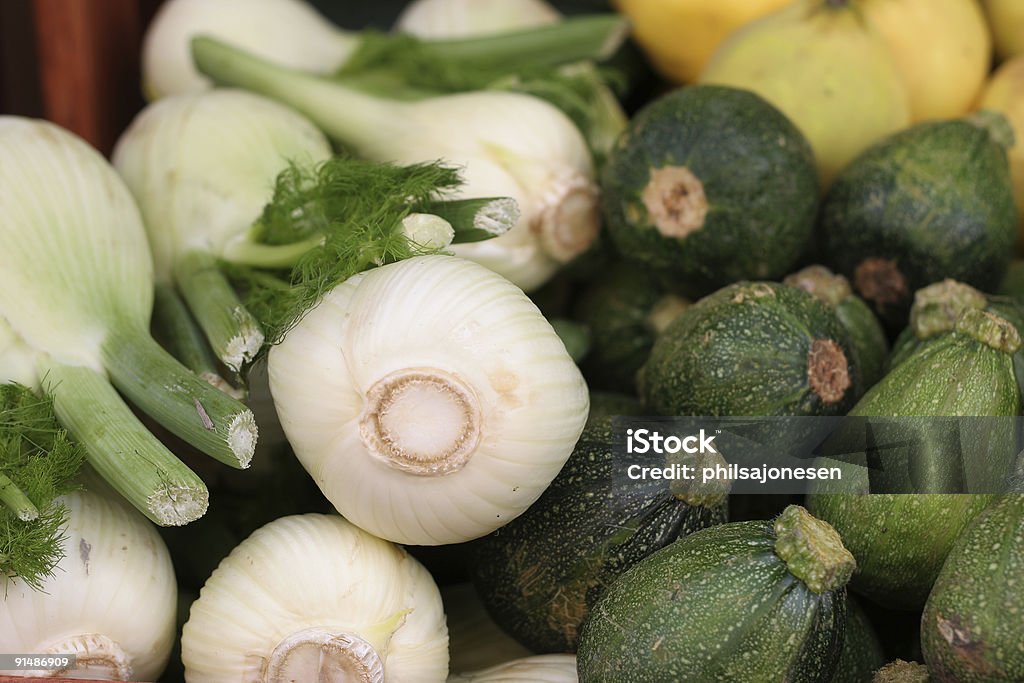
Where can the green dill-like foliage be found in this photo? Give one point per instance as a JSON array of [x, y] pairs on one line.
[[357, 206], [39, 458]]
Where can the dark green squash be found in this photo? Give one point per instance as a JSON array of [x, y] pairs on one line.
[[606, 404], [901, 540], [866, 333], [931, 202], [862, 653], [540, 574], [753, 348], [624, 310], [747, 601], [971, 631], [713, 184]]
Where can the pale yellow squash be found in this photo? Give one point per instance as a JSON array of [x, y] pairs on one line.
[[942, 48], [1006, 19], [679, 36], [1005, 94], [827, 69]]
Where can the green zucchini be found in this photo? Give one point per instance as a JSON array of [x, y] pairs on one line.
[[866, 334], [703, 174], [540, 574], [747, 601], [900, 671], [971, 628], [932, 201], [753, 348], [624, 311], [862, 653], [901, 540]]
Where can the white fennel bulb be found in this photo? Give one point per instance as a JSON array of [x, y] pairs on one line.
[[536, 669], [313, 598], [507, 145], [429, 399], [288, 31], [111, 601], [475, 641], [456, 18]]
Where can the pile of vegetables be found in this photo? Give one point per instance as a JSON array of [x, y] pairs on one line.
[[413, 287]]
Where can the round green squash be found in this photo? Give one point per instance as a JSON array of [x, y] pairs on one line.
[[746, 601], [753, 348], [540, 574], [901, 540], [972, 630], [624, 310], [703, 174], [862, 653], [608, 404], [866, 333], [934, 201]]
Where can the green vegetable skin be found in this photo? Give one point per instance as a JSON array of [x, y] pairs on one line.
[[753, 348], [862, 653], [930, 202], [704, 174], [971, 628], [723, 605], [539, 575], [901, 541]]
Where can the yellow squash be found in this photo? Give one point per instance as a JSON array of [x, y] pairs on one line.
[[1005, 94], [1006, 19], [680, 35], [827, 69], [942, 48]]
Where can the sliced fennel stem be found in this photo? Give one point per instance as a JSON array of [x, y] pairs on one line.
[[16, 500], [343, 113], [476, 219], [186, 405], [179, 333], [232, 331], [248, 253], [122, 450]]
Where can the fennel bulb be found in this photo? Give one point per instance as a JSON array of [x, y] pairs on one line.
[[76, 291], [288, 31], [429, 399], [313, 598], [458, 18], [475, 641], [536, 669], [111, 601], [507, 144]]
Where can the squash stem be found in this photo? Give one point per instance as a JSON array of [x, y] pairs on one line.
[[122, 450], [164, 389], [233, 332], [15, 499], [477, 219]]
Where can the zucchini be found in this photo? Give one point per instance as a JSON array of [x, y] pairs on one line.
[[869, 341], [753, 348], [929, 202], [971, 628], [703, 173], [540, 574], [900, 541], [624, 311], [862, 652], [747, 601]]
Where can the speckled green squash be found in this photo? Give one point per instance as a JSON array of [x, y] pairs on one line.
[[624, 311], [540, 574], [930, 202], [605, 404], [747, 601], [862, 653], [971, 629], [753, 348], [866, 334], [900, 541], [713, 184]]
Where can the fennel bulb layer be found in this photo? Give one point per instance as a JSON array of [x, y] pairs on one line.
[[313, 598], [429, 399], [457, 18], [536, 669], [112, 600]]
